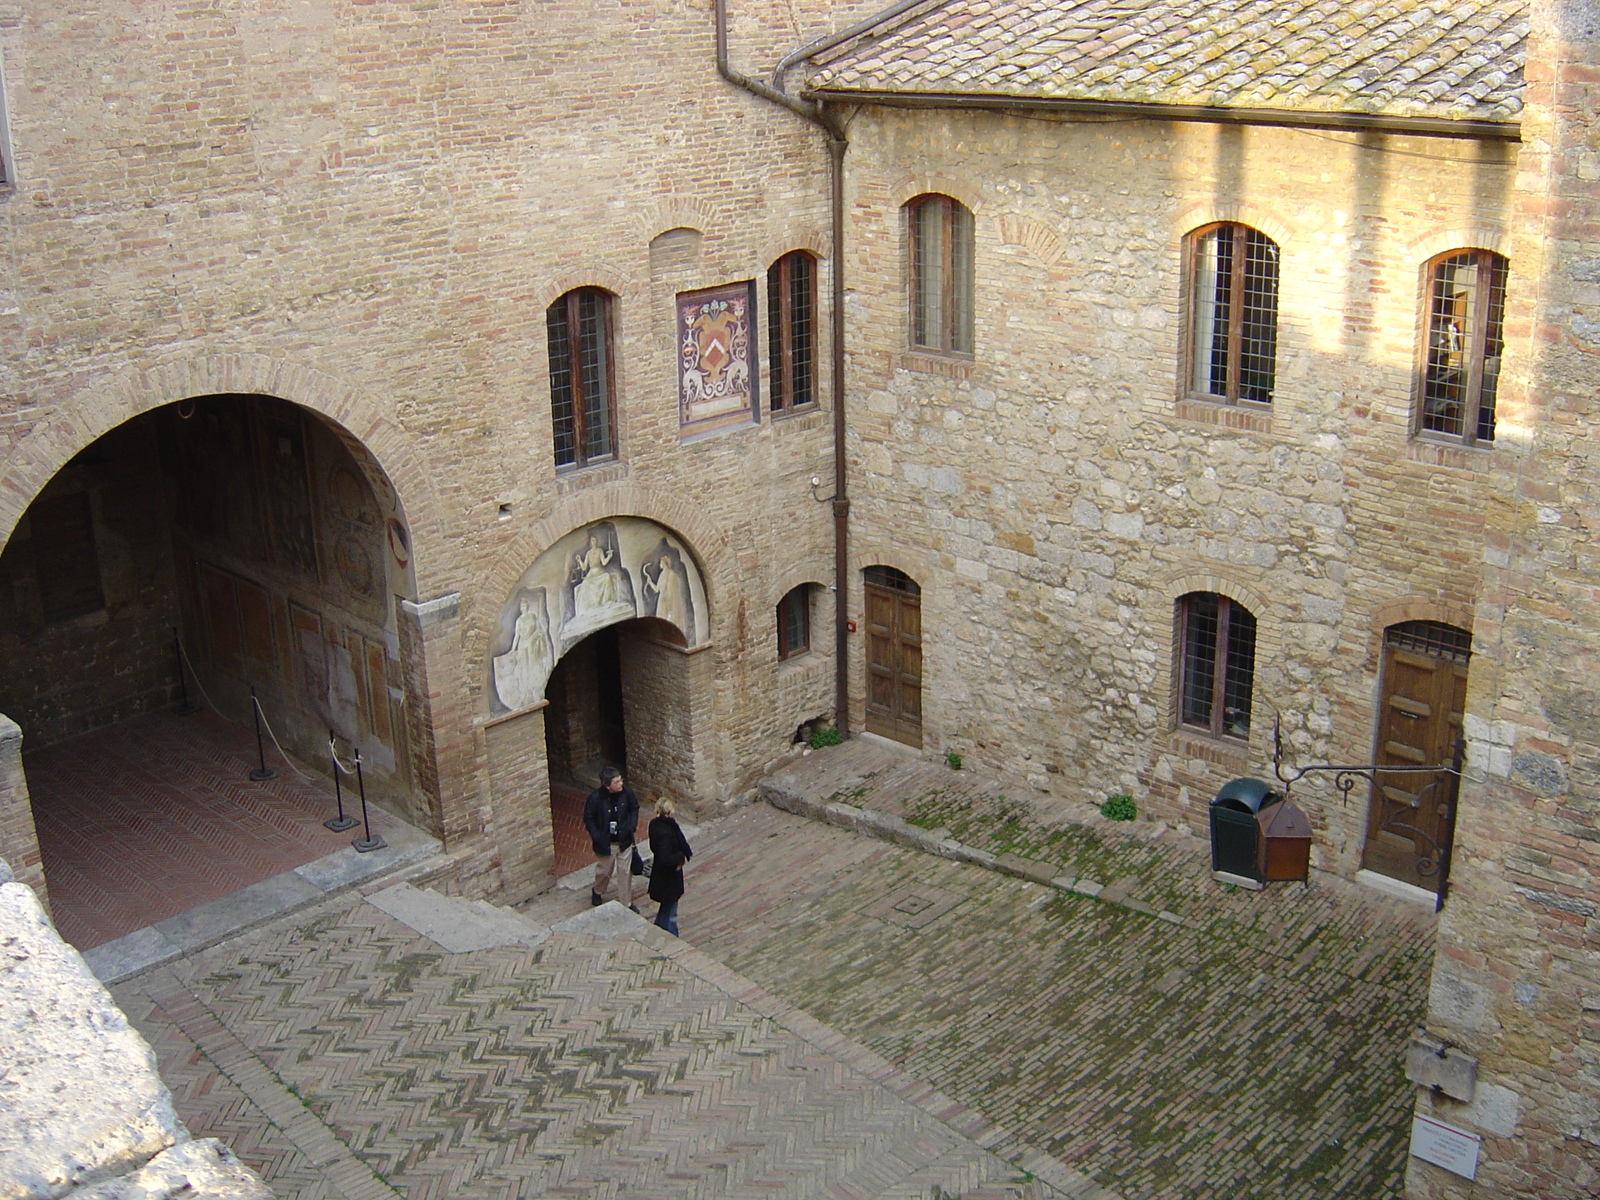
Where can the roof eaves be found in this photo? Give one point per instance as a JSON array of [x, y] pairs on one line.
[[1454, 127]]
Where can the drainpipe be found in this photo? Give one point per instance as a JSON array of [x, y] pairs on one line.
[[825, 120], [835, 39]]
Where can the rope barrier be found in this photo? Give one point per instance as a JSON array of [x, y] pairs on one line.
[[194, 675], [212, 704], [277, 743], [334, 754]]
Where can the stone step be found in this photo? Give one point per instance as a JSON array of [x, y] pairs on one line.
[[457, 924]]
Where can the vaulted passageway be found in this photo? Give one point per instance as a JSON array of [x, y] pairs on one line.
[[206, 555]]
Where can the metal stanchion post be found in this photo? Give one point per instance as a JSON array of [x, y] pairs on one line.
[[262, 773], [370, 842], [340, 823], [185, 706]]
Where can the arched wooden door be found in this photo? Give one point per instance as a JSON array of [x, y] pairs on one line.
[[894, 655], [1410, 819]]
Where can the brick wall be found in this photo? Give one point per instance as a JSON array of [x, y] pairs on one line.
[[64, 675], [1515, 983], [364, 209]]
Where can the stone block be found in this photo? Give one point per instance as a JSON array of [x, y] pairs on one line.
[[200, 1170], [1455, 1001], [82, 1101], [1432, 1064]]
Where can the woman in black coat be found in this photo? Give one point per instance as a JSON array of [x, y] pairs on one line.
[[669, 850]]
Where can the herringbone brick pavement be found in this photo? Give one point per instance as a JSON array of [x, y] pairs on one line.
[[342, 1055], [1254, 1051], [843, 1018]]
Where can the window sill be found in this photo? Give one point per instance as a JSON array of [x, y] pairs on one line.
[[797, 414], [934, 362], [1436, 452], [1246, 417], [1222, 752], [572, 478]]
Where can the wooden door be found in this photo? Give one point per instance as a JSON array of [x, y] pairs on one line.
[[1419, 723], [894, 656]]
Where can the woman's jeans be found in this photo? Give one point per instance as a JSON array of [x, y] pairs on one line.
[[667, 917]]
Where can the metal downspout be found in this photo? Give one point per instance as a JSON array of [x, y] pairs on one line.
[[819, 115], [835, 39], [841, 498]]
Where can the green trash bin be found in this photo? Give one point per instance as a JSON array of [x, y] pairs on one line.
[[1235, 833]]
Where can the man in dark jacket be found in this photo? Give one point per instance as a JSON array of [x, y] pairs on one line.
[[611, 814]]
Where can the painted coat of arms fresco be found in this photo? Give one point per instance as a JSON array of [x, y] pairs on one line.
[[716, 368]]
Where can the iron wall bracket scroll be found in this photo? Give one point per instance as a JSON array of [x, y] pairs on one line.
[[1437, 861]]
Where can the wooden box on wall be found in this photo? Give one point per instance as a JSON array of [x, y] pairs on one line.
[[1283, 850]]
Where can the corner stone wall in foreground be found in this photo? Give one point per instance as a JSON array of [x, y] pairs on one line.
[[83, 1114]]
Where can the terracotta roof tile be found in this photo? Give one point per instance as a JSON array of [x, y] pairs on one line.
[[1455, 59]]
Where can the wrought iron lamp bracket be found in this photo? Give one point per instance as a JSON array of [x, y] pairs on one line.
[[1344, 777], [1435, 861]]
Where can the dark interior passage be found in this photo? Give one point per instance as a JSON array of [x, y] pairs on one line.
[[621, 698], [583, 724], [220, 546], [244, 527]]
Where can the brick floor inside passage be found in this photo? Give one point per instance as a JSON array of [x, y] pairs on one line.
[[151, 817]]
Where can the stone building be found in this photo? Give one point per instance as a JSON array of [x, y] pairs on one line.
[[464, 378]]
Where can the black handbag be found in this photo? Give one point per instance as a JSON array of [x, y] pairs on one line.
[[639, 866]]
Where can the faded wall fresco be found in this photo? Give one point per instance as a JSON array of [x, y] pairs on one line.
[[596, 576]]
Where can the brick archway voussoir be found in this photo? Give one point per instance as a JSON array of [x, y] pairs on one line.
[[102, 405]]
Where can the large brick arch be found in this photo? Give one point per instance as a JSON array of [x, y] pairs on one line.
[[112, 400]]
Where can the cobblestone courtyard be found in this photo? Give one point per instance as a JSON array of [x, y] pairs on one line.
[[844, 1017]]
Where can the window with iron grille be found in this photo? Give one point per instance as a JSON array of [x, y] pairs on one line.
[[582, 397], [1233, 313], [1217, 670], [940, 231], [794, 622], [1461, 364], [1433, 638], [792, 331]]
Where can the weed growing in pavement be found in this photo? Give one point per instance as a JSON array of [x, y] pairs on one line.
[[952, 760], [1003, 826], [1119, 807], [826, 737]]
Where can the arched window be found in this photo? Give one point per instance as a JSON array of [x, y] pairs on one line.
[[1233, 313], [583, 412], [1466, 300], [792, 331], [940, 252], [1218, 665], [794, 622]]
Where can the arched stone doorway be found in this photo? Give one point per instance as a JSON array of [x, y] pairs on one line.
[[894, 654], [1411, 813], [597, 657], [210, 547]]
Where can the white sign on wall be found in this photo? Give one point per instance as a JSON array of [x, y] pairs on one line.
[[1445, 1146]]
